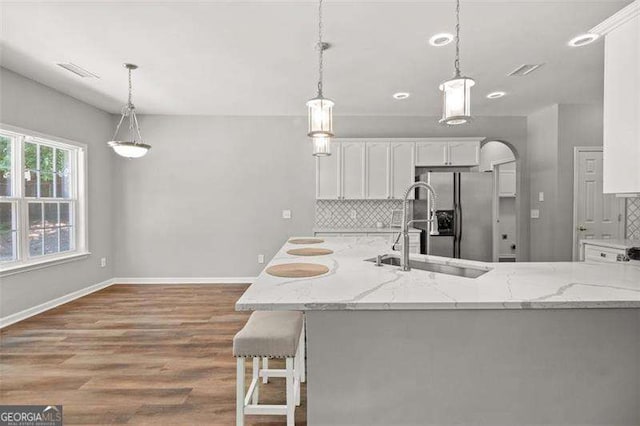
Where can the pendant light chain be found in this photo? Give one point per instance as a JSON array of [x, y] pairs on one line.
[[130, 103], [320, 49], [457, 60]]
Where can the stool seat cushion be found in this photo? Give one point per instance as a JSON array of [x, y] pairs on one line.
[[269, 334]]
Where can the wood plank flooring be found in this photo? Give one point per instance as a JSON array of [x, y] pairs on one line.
[[135, 354]]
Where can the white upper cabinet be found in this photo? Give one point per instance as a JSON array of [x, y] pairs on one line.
[[431, 153], [328, 176], [449, 152], [382, 169], [403, 170], [464, 153], [353, 159], [377, 170], [621, 139], [507, 183]]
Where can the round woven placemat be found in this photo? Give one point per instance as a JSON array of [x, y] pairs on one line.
[[297, 270], [310, 251], [306, 241]]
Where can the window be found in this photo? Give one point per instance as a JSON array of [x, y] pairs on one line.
[[41, 200]]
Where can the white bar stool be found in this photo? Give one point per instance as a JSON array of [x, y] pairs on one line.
[[269, 335]]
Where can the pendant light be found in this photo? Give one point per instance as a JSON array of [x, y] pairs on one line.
[[456, 93], [133, 147], [320, 109]]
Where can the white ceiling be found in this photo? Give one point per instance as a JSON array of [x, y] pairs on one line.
[[258, 57]]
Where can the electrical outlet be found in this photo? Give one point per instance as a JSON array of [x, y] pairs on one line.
[[261, 258], [286, 214], [540, 196], [535, 213], [103, 262], [354, 214]]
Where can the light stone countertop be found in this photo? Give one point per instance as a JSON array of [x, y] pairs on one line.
[[353, 284], [617, 243], [363, 230]]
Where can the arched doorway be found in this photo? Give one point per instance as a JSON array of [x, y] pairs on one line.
[[500, 158]]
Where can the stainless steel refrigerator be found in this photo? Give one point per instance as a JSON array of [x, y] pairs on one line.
[[465, 215]]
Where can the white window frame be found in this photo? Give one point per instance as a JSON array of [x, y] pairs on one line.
[[79, 197]]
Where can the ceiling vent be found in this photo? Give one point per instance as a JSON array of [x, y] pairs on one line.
[[77, 70], [524, 69]]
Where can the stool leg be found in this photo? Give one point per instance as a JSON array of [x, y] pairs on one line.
[[239, 391], [291, 406], [303, 356], [256, 371], [265, 365]]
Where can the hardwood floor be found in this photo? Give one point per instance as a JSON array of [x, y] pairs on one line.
[[135, 354]]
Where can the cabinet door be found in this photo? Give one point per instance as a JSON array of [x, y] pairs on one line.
[[377, 170], [507, 186], [403, 170], [352, 170], [622, 109], [327, 176], [464, 153], [431, 153]]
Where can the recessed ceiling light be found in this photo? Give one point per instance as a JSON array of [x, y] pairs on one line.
[[583, 39], [401, 95], [441, 39], [496, 95]]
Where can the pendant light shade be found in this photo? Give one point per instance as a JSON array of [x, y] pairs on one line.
[[456, 92], [456, 100], [129, 149], [132, 146], [321, 146], [320, 117]]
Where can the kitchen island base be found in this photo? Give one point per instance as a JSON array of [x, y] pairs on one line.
[[474, 367]]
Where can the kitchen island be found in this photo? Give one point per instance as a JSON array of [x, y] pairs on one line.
[[523, 343]]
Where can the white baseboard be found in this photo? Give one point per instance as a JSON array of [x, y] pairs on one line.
[[185, 280], [22, 315]]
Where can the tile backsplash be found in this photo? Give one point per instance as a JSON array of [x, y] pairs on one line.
[[338, 213], [633, 218]]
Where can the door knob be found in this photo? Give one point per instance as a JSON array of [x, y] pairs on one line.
[[582, 228]]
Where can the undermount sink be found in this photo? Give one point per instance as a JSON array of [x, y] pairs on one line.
[[423, 265]]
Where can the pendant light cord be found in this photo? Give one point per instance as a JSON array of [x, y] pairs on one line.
[[320, 50], [457, 60]]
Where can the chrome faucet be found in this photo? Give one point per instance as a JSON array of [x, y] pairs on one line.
[[433, 220]]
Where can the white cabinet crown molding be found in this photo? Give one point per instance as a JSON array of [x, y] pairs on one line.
[[623, 15]]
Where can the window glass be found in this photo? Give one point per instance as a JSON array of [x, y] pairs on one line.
[[7, 232], [6, 150]]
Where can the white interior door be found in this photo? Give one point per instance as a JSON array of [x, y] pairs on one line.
[[596, 215]]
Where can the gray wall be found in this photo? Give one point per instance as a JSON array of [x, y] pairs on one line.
[[542, 137], [552, 134], [208, 198], [30, 105]]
